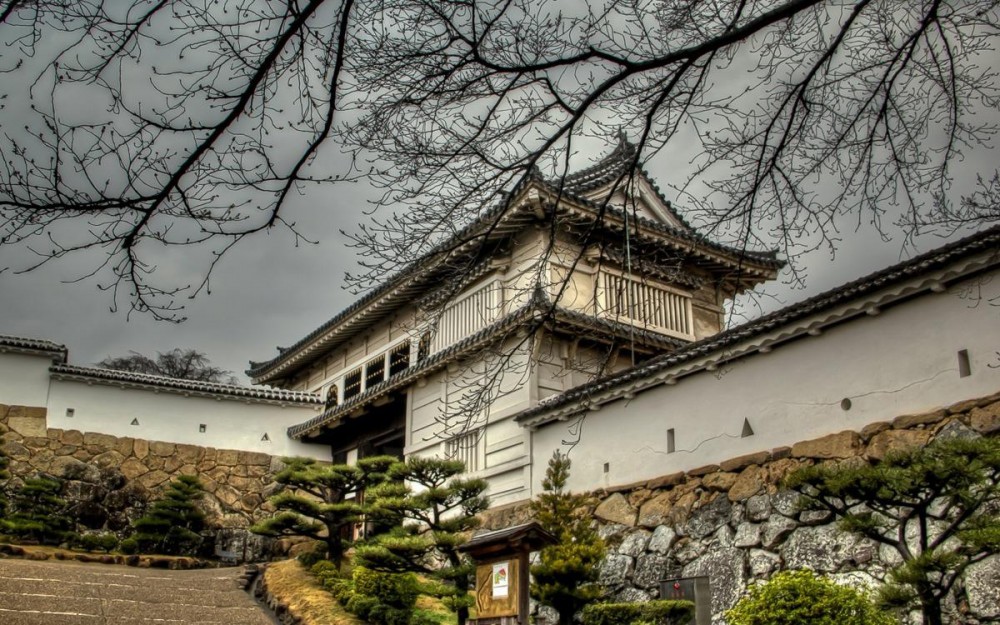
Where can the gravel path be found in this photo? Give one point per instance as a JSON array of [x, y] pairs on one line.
[[71, 593]]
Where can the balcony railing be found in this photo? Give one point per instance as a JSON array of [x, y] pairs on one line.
[[468, 315], [637, 302]]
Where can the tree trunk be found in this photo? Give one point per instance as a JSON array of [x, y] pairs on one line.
[[931, 608]]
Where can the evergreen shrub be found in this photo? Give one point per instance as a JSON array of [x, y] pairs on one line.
[[796, 597], [656, 612], [172, 523], [38, 513], [379, 598]]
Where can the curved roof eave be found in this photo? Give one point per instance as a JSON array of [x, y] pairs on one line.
[[408, 277]]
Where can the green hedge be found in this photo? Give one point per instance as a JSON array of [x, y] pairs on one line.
[[657, 612]]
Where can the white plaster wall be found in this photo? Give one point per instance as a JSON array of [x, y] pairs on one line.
[[174, 418], [24, 379], [902, 361]]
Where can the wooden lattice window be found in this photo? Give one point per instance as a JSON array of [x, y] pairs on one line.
[[375, 371], [399, 358], [352, 383]]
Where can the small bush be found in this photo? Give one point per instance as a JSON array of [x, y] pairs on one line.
[[656, 612], [795, 597], [379, 598], [313, 557], [97, 542], [128, 546]]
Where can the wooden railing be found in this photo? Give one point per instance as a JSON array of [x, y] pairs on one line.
[[631, 300], [468, 315]]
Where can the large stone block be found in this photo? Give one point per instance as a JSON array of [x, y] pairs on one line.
[[616, 509], [140, 448], [726, 571], [913, 420], [758, 508], [747, 535], [108, 460], [840, 445], [707, 519], [152, 479], [172, 464], [741, 462], [96, 439], [27, 425], [228, 495], [615, 570], [776, 530], [661, 540], [124, 446], [982, 587], [665, 481], [825, 549], [132, 468], [891, 441], [655, 511], [749, 482], [162, 449], [189, 454], [634, 543], [227, 458], [720, 480], [649, 570], [15, 450], [985, 420], [252, 458], [71, 437], [69, 468]]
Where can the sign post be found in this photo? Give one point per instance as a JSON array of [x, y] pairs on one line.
[[501, 559]]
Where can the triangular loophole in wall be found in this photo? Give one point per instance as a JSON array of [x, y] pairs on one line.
[[135, 422], [265, 438], [747, 430]]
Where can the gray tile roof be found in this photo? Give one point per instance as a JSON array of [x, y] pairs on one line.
[[408, 280], [230, 391], [21, 343], [985, 241]]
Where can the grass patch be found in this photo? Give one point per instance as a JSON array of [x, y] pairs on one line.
[[293, 585]]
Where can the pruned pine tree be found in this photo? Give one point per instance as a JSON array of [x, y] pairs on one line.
[[566, 573], [434, 509], [172, 524], [323, 501], [938, 507], [38, 513]]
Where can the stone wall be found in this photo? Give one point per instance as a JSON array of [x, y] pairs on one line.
[[109, 479], [732, 522]]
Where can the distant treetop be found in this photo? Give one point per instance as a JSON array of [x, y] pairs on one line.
[[185, 364]]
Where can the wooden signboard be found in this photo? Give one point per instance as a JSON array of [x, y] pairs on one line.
[[498, 588], [501, 559]]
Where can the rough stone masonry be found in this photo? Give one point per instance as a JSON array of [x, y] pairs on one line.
[[733, 523], [109, 480]]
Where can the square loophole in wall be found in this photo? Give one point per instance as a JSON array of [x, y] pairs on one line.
[[202, 427]]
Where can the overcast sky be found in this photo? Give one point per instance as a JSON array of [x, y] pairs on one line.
[[268, 291]]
